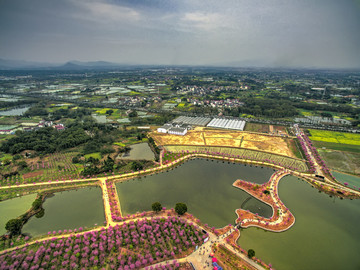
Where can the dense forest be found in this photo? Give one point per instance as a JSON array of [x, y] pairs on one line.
[[45, 140], [264, 107], [49, 140]]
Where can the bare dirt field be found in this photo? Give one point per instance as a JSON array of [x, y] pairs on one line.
[[198, 137], [265, 128]]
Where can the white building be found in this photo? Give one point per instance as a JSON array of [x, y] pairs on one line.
[[164, 128], [177, 131]]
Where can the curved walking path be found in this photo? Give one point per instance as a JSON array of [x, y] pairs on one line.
[[278, 222]]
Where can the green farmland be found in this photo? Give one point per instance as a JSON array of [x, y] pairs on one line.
[[334, 137]]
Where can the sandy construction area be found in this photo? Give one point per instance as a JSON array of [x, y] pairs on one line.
[[273, 144]]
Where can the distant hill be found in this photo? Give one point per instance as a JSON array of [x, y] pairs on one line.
[[77, 65]]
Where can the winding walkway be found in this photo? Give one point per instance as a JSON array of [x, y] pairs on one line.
[[280, 212]]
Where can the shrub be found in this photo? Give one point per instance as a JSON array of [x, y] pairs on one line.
[[156, 206], [251, 253], [180, 208], [14, 226]]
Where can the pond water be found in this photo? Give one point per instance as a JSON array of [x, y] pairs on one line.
[[205, 186], [352, 180], [16, 111], [13, 208], [69, 210], [325, 235], [139, 151]]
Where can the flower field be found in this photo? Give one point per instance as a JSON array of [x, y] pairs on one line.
[[334, 137], [132, 245]]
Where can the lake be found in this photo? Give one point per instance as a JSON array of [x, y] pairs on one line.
[[69, 210], [352, 180], [13, 208], [325, 235], [139, 151], [204, 185]]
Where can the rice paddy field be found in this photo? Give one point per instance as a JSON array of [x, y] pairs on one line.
[[334, 137]]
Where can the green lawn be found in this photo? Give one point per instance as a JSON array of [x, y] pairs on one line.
[[94, 155]]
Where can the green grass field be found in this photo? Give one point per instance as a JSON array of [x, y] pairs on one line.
[[334, 137], [342, 161], [119, 144], [94, 155], [5, 156], [254, 127], [338, 146]]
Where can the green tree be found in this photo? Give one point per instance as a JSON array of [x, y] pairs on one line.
[[37, 203], [133, 114], [22, 164], [156, 206], [251, 253], [326, 114], [109, 112], [136, 166], [16, 157], [75, 160], [6, 161], [108, 164], [40, 214], [180, 208], [14, 226]]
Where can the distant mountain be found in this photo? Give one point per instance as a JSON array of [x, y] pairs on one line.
[[78, 65], [71, 65]]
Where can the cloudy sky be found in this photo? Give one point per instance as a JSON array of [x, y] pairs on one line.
[[294, 33]]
